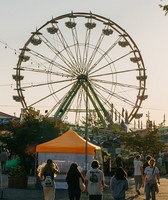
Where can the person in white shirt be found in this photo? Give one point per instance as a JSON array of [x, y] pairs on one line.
[[138, 173], [95, 182], [152, 179]]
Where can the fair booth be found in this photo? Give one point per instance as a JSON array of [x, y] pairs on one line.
[[65, 149]]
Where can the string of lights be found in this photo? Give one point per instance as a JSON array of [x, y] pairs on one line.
[[7, 46]]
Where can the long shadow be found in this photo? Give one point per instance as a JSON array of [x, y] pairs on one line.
[[132, 197]]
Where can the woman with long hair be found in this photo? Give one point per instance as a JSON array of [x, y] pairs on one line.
[[47, 175], [72, 179], [119, 184]]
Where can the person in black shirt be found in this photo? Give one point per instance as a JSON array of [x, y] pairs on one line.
[[72, 179], [146, 163]]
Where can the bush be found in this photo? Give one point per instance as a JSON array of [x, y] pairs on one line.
[[17, 171]]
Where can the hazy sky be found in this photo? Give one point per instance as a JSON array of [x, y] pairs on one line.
[[143, 20]]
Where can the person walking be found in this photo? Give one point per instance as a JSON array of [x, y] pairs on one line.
[[160, 163], [3, 159], [119, 184], [73, 180], [138, 173], [151, 178], [95, 182], [47, 174], [146, 163]]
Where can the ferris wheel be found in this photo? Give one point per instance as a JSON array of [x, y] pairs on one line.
[[80, 60]]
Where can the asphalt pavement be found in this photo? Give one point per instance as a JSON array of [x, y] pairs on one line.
[[34, 193]]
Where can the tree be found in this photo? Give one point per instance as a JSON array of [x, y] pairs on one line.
[[165, 8], [148, 144], [21, 138]]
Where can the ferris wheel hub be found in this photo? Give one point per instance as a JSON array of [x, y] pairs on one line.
[[83, 77]]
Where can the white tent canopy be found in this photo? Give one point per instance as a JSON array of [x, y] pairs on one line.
[[65, 149]]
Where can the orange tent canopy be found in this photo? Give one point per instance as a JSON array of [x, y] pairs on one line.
[[69, 142]]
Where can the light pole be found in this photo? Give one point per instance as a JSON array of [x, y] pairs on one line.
[[86, 126]]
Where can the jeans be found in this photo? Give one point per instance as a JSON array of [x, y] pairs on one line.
[[150, 189], [138, 182]]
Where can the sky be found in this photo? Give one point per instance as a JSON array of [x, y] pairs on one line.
[[143, 20]]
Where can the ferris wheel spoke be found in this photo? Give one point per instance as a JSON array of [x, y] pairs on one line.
[[44, 84], [61, 89], [94, 53], [78, 57], [123, 99], [69, 62], [116, 83], [103, 55], [46, 72], [97, 46], [89, 25], [112, 110], [112, 73], [67, 49], [110, 63], [86, 46], [49, 61], [46, 59]]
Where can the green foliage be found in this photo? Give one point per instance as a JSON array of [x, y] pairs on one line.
[[165, 8], [105, 155], [17, 171], [17, 138], [93, 121], [116, 129], [148, 144]]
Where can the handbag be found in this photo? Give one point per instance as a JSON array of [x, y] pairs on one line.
[[82, 185], [153, 184], [150, 181]]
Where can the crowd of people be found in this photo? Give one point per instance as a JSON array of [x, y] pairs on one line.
[[94, 181], [146, 176]]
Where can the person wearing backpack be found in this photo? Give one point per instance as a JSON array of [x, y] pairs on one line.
[[47, 175], [119, 184], [95, 182]]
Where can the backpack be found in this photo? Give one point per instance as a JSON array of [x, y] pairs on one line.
[[48, 182]]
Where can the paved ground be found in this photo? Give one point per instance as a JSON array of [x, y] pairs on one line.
[[31, 193]]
